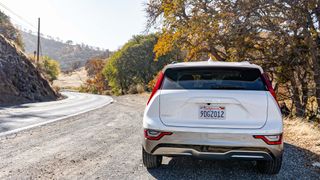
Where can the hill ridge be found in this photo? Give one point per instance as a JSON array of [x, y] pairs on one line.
[[69, 55]]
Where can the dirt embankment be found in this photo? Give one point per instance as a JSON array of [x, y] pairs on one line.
[[20, 81]]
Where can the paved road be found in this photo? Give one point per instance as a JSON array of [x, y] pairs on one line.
[[15, 118], [105, 144]]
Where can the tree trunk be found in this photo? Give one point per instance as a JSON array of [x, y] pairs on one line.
[[314, 57], [215, 54], [316, 69], [304, 92], [296, 97]]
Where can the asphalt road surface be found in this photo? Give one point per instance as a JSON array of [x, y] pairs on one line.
[[105, 144], [16, 118]]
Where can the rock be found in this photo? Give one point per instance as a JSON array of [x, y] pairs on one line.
[[20, 81], [316, 164]]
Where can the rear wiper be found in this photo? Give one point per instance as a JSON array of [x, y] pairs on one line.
[[227, 87]]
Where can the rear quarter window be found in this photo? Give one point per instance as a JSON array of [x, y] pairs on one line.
[[213, 78]]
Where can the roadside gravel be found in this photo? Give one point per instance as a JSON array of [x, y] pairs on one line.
[[105, 144]]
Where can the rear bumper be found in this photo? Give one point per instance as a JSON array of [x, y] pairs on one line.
[[213, 146]]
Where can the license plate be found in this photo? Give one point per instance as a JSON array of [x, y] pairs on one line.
[[212, 112]]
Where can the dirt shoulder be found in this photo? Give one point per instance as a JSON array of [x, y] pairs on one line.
[[304, 135]]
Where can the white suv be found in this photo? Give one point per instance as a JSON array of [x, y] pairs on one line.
[[218, 110]]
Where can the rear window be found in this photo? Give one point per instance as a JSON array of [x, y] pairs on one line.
[[213, 78]]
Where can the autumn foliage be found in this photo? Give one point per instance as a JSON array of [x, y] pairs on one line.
[[96, 83], [282, 36]]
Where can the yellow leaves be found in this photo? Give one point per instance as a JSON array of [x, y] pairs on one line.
[[170, 7], [152, 83], [165, 44], [213, 58], [50, 68]]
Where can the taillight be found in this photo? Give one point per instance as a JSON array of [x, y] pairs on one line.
[[269, 86], [154, 134], [157, 86], [270, 139]]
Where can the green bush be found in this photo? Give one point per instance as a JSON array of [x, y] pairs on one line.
[[50, 68], [130, 69]]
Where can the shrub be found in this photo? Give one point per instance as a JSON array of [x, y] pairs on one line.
[[134, 64], [97, 83]]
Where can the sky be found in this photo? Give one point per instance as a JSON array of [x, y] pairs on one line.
[[106, 24]]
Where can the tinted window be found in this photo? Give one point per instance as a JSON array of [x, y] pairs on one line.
[[213, 78]]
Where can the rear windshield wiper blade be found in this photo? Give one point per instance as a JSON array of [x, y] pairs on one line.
[[227, 87]]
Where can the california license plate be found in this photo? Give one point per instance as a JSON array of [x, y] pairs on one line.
[[212, 112]]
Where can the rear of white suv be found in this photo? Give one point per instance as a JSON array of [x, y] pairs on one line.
[[216, 110]]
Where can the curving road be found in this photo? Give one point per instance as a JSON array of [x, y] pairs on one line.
[[21, 117]]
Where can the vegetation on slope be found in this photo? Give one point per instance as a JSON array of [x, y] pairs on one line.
[[69, 55], [50, 68], [9, 31]]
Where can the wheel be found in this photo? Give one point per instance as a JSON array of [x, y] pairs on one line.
[[151, 161], [270, 167]]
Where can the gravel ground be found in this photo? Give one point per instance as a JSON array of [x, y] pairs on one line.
[[105, 144]]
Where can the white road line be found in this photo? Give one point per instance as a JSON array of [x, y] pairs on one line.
[[87, 102]]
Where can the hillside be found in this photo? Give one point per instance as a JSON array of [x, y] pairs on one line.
[[69, 56], [20, 81], [9, 31]]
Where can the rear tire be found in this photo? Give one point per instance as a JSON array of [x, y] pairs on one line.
[[270, 167], [151, 161]]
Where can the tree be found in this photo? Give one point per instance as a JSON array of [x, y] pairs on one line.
[[224, 30], [96, 83], [94, 66], [282, 36], [50, 68], [69, 42], [134, 64]]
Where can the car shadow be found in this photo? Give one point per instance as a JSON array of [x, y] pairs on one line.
[[295, 166]]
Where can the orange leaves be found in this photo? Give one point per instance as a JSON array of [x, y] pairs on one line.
[[97, 83], [94, 66], [164, 45]]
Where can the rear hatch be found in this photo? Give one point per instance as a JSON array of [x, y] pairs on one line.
[[213, 97]]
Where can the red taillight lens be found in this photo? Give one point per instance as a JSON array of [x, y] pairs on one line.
[[157, 86], [154, 134], [267, 82], [270, 139]]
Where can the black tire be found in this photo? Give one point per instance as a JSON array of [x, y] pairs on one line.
[[151, 161], [270, 167]]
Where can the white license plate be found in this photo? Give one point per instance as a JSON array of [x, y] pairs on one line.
[[212, 112]]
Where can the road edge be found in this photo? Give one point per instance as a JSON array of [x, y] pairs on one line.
[[53, 120]]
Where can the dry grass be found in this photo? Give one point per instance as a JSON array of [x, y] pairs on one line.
[[303, 134], [72, 80]]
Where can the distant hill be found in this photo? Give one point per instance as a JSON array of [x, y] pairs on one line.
[[70, 56]]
